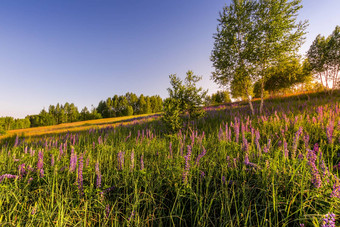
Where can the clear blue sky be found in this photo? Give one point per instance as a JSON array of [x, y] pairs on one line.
[[83, 51]]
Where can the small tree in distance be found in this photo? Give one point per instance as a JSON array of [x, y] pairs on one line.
[[184, 99]]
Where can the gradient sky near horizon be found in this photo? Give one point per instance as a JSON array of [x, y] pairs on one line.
[[83, 51]]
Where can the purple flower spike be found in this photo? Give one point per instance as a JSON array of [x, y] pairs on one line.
[[336, 190], [99, 176], [120, 158], [187, 165], [7, 176], [40, 163], [141, 163], [328, 220], [80, 175], [200, 156]]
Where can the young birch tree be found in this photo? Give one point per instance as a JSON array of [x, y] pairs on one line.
[[251, 37]]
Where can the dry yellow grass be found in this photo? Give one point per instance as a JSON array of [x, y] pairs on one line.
[[77, 126]]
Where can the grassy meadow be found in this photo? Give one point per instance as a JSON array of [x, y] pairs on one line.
[[230, 168]]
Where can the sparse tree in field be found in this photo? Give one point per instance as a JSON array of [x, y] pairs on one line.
[[218, 98], [324, 58], [242, 89], [285, 74], [141, 104], [234, 46], [184, 98], [251, 37]]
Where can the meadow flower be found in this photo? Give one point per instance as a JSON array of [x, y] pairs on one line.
[[316, 179], [7, 176], [132, 158], [202, 174], [200, 156], [329, 131], [328, 220], [285, 148], [141, 163], [257, 139], [120, 158], [187, 165], [80, 174], [107, 210], [336, 190], [170, 150], [98, 174], [73, 161], [306, 140], [52, 160], [21, 170], [296, 141], [40, 163]]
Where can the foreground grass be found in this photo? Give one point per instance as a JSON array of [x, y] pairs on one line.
[[228, 169]]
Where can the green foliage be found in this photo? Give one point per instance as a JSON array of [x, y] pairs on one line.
[[219, 97], [9, 123], [324, 58], [129, 111], [184, 98], [172, 116], [2, 130], [251, 37], [241, 88], [282, 76]]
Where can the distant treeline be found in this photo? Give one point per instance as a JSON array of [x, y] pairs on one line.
[[123, 105], [129, 104]]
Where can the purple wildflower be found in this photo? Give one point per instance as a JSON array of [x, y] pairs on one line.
[[285, 149], [336, 190], [52, 160], [296, 141], [257, 138], [99, 176], [120, 158], [316, 179], [237, 130], [60, 151], [7, 176], [223, 180], [200, 156], [170, 150], [220, 134], [21, 170], [87, 162], [141, 162], [329, 131], [80, 174], [245, 145], [306, 140], [187, 165], [202, 174], [128, 136], [132, 160], [73, 161], [107, 210], [328, 220], [40, 163]]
